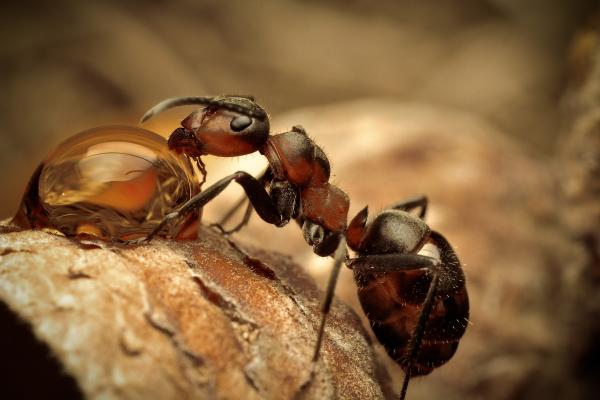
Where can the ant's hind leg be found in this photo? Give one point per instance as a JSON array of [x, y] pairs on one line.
[[412, 203], [415, 339], [405, 262]]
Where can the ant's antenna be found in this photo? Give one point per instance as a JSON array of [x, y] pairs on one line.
[[227, 103]]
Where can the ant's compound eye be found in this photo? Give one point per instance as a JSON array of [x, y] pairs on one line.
[[240, 123]]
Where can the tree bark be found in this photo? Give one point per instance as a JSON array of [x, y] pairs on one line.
[[203, 319]]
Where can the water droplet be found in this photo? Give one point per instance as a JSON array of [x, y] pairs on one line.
[[111, 182]]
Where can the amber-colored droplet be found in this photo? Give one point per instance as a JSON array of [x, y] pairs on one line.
[[111, 182]]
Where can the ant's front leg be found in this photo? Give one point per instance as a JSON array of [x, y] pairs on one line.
[[382, 263], [262, 202]]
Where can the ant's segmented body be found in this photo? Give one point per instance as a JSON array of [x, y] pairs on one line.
[[416, 301]]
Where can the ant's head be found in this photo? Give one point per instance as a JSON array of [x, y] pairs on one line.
[[227, 126]]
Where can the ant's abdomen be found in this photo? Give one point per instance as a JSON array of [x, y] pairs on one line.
[[393, 302]]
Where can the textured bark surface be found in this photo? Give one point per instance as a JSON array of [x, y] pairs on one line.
[[175, 320]]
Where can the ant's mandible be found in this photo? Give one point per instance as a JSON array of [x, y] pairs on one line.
[[410, 282]]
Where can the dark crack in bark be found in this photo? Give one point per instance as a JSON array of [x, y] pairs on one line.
[[246, 331], [130, 345], [170, 332], [260, 268], [256, 265], [74, 273], [191, 364], [7, 251], [229, 309]]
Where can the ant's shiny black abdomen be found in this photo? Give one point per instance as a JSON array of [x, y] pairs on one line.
[[411, 287]]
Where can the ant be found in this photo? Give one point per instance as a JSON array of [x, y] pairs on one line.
[[416, 301]]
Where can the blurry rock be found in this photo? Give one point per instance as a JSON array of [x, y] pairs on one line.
[[174, 320], [580, 145], [579, 159]]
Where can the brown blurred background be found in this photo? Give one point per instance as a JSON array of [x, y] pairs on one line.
[[70, 65], [461, 99]]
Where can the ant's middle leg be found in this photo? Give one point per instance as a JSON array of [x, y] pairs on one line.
[[263, 178], [412, 203], [242, 223], [339, 256], [405, 262], [241, 201]]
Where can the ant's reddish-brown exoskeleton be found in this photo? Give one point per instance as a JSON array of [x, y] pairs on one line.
[[410, 282]]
